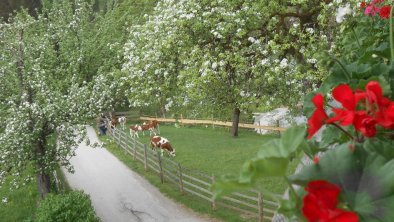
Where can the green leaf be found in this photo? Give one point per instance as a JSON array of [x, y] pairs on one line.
[[382, 147], [308, 107], [227, 184], [292, 138], [271, 167], [365, 179], [330, 136], [340, 155]]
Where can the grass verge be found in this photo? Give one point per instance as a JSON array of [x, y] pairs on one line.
[[170, 190], [18, 202]]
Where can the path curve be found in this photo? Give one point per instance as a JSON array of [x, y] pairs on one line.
[[119, 194]]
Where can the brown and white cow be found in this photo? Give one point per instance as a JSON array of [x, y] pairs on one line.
[[134, 130], [154, 127], [158, 142], [151, 126]]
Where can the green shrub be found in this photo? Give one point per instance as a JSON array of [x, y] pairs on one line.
[[71, 207]]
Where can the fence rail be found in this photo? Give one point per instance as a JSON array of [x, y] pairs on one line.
[[213, 122], [249, 203]]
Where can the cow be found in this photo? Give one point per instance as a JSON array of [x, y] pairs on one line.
[[154, 127], [149, 126], [112, 124], [122, 121], [134, 130], [158, 142]]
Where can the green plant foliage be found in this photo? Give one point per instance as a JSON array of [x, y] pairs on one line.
[[358, 163], [74, 206]]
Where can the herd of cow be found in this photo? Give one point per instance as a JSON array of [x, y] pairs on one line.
[[156, 142]]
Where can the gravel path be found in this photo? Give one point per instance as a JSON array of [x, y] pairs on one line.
[[118, 194]]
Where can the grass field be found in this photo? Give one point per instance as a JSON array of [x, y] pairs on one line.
[[205, 149], [169, 190], [213, 151]]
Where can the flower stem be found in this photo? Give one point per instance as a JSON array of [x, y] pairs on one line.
[[357, 40], [347, 74], [391, 34], [346, 132], [292, 190]]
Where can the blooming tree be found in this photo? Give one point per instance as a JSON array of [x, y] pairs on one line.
[[45, 99], [255, 52]]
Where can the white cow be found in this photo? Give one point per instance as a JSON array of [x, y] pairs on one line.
[[122, 121]]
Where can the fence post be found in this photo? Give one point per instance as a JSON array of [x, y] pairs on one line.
[[213, 199], [160, 167], [213, 125], [278, 125], [260, 206], [145, 158], [180, 178], [135, 149]]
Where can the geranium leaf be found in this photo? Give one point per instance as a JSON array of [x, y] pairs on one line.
[[271, 167], [330, 136], [384, 148], [293, 138], [308, 107], [341, 156], [291, 141], [227, 184]]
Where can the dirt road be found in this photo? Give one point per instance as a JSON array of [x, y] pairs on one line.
[[118, 194]]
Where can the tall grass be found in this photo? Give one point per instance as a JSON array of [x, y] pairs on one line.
[[18, 202]]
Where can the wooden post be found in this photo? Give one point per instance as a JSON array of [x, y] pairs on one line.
[[181, 119], [213, 125], [213, 199], [180, 178], [135, 148], [145, 158], [260, 206], [160, 166], [120, 138], [278, 125]]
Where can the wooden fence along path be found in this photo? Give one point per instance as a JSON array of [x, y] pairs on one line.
[[248, 203], [214, 122]]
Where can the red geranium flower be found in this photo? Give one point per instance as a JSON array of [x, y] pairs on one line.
[[385, 12], [344, 94], [321, 201], [363, 5], [318, 117], [386, 117], [365, 124]]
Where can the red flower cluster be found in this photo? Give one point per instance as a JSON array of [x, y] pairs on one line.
[[372, 9], [376, 110], [320, 204]]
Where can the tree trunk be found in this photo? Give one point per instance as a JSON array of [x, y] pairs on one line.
[[234, 128], [43, 178], [44, 184]]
